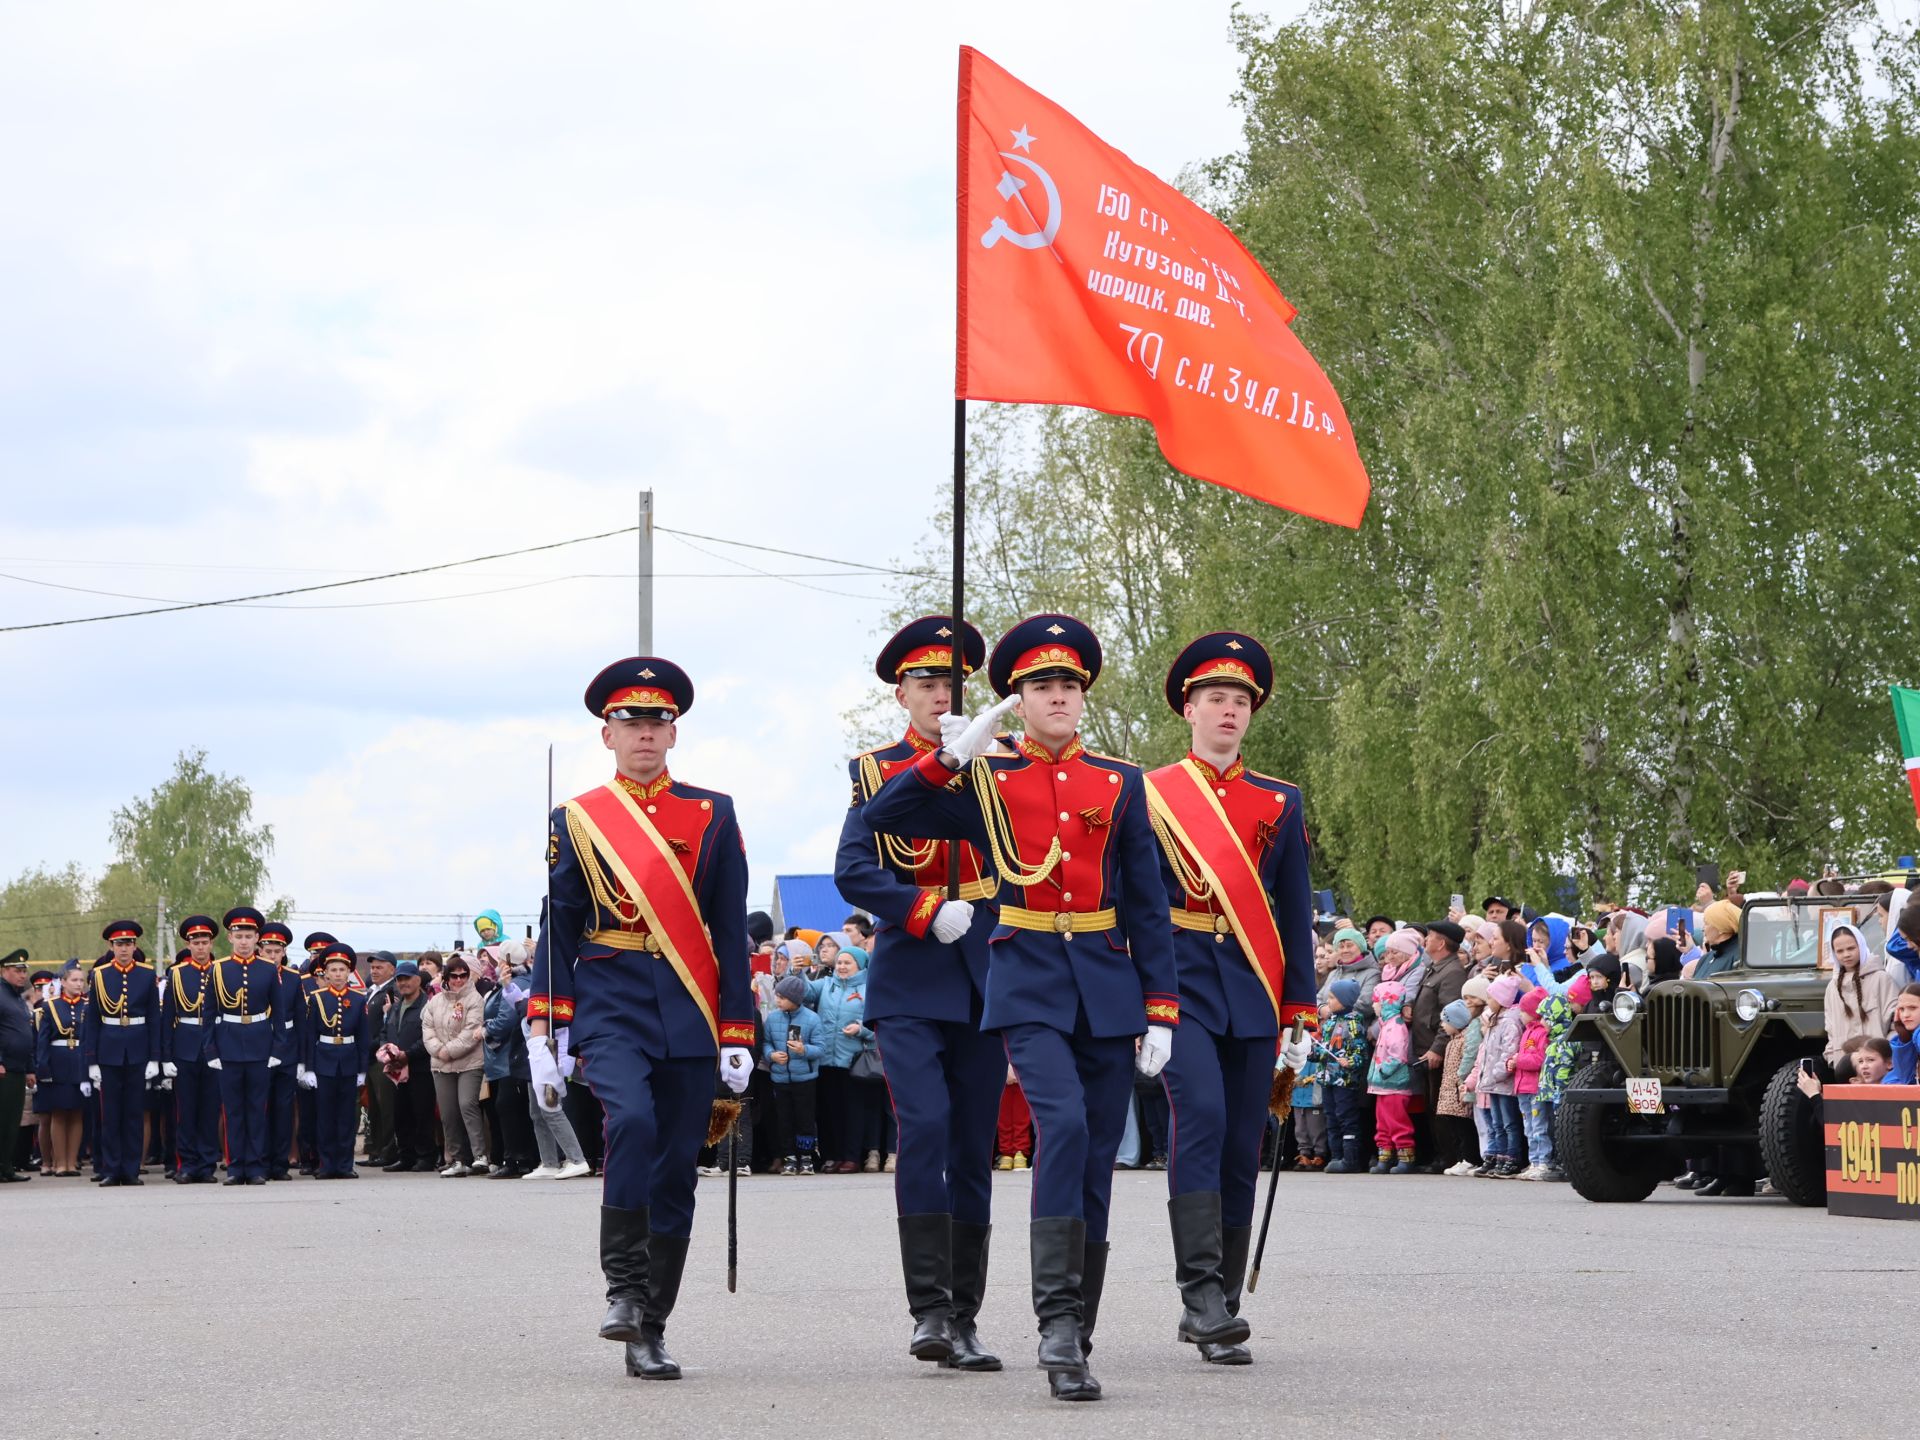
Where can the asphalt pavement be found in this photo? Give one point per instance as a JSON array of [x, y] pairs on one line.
[[403, 1306]]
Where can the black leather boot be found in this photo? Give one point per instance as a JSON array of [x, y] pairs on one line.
[[1080, 1384], [1058, 1245], [969, 1289], [623, 1261], [926, 1260], [647, 1357], [1238, 1242], [1197, 1259]]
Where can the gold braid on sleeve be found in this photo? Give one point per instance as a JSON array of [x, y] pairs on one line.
[[605, 893], [892, 849], [1001, 841], [1184, 870]]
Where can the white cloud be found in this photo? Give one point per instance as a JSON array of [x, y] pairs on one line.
[[311, 292]]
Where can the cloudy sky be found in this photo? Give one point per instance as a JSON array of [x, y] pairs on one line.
[[299, 293]]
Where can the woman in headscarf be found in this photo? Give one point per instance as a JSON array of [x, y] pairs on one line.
[[1861, 994], [1720, 931]]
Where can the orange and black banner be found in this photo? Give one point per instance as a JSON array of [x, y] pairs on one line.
[[1873, 1150]]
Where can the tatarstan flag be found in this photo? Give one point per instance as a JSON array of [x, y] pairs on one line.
[[1906, 714], [1085, 280]]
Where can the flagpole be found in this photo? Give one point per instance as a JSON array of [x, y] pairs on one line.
[[959, 671]]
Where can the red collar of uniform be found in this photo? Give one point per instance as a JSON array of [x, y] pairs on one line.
[[200, 964], [120, 967], [645, 792], [1034, 750], [336, 993], [921, 745], [1219, 777]]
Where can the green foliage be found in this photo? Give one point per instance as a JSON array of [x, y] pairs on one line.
[[43, 910], [191, 839], [1622, 304]]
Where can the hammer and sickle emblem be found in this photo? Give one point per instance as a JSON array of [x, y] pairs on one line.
[[1009, 187]]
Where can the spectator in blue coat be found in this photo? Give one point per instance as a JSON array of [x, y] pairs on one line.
[[795, 1042], [840, 1000], [505, 1064]]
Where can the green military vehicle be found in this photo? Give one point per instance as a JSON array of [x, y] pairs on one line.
[[1702, 1071]]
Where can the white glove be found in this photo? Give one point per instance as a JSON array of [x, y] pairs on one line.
[[214, 1064], [736, 1067], [272, 1061], [299, 1073], [93, 1073], [306, 1079], [169, 1069], [1155, 1050], [544, 1069], [953, 921], [86, 1089], [361, 1078], [153, 1070], [1294, 1054], [966, 740]]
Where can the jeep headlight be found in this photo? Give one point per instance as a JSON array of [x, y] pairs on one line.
[[1626, 1005], [1748, 1005]]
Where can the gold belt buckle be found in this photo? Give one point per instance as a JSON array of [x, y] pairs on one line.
[[1220, 926], [653, 943], [1063, 923]]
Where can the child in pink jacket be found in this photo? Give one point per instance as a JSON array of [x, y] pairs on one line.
[[1527, 1063]]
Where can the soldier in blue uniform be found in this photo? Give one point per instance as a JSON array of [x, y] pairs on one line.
[[62, 1068], [186, 1020], [926, 992], [337, 1044], [121, 1042], [244, 1043], [643, 958], [283, 1085], [1080, 961], [1228, 836]]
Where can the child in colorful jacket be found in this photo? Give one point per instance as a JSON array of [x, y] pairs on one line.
[[1341, 1052], [1391, 1082], [1528, 1061]]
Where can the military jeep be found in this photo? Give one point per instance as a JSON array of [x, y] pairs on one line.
[[1702, 1071]]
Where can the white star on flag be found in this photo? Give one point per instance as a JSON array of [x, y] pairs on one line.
[[1021, 139], [1009, 185]]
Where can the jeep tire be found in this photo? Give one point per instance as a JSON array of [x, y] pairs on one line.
[[1585, 1145], [1792, 1139]]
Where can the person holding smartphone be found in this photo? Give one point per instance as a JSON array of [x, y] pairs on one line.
[[795, 1046]]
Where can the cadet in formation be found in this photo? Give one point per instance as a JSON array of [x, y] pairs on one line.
[[336, 1047], [926, 994], [245, 1043], [121, 1043], [1234, 861], [642, 968], [1080, 977], [283, 1081], [185, 1050]]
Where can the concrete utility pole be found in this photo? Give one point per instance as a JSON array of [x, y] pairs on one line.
[[646, 574]]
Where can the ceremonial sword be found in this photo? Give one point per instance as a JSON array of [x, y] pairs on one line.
[[1282, 1083], [552, 1100]]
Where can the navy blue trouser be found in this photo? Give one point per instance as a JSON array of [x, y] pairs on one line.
[[335, 1108], [196, 1117], [656, 1121], [281, 1087], [1217, 1089], [123, 1113], [944, 1078], [306, 1106], [1349, 1136], [243, 1095], [1079, 1088]]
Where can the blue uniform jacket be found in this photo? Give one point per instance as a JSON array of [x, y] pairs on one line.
[[186, 1018], [134, 994], [249, 988], [1219, 987], [911, 973], [631, 997], [813, 1035], [291, 1014], [331, 1019], [60, 1064], [1040, 977]]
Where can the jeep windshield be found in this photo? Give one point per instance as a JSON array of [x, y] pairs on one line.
[[1785, 936]]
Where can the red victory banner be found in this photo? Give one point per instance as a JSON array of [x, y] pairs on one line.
[[1085, 280]]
